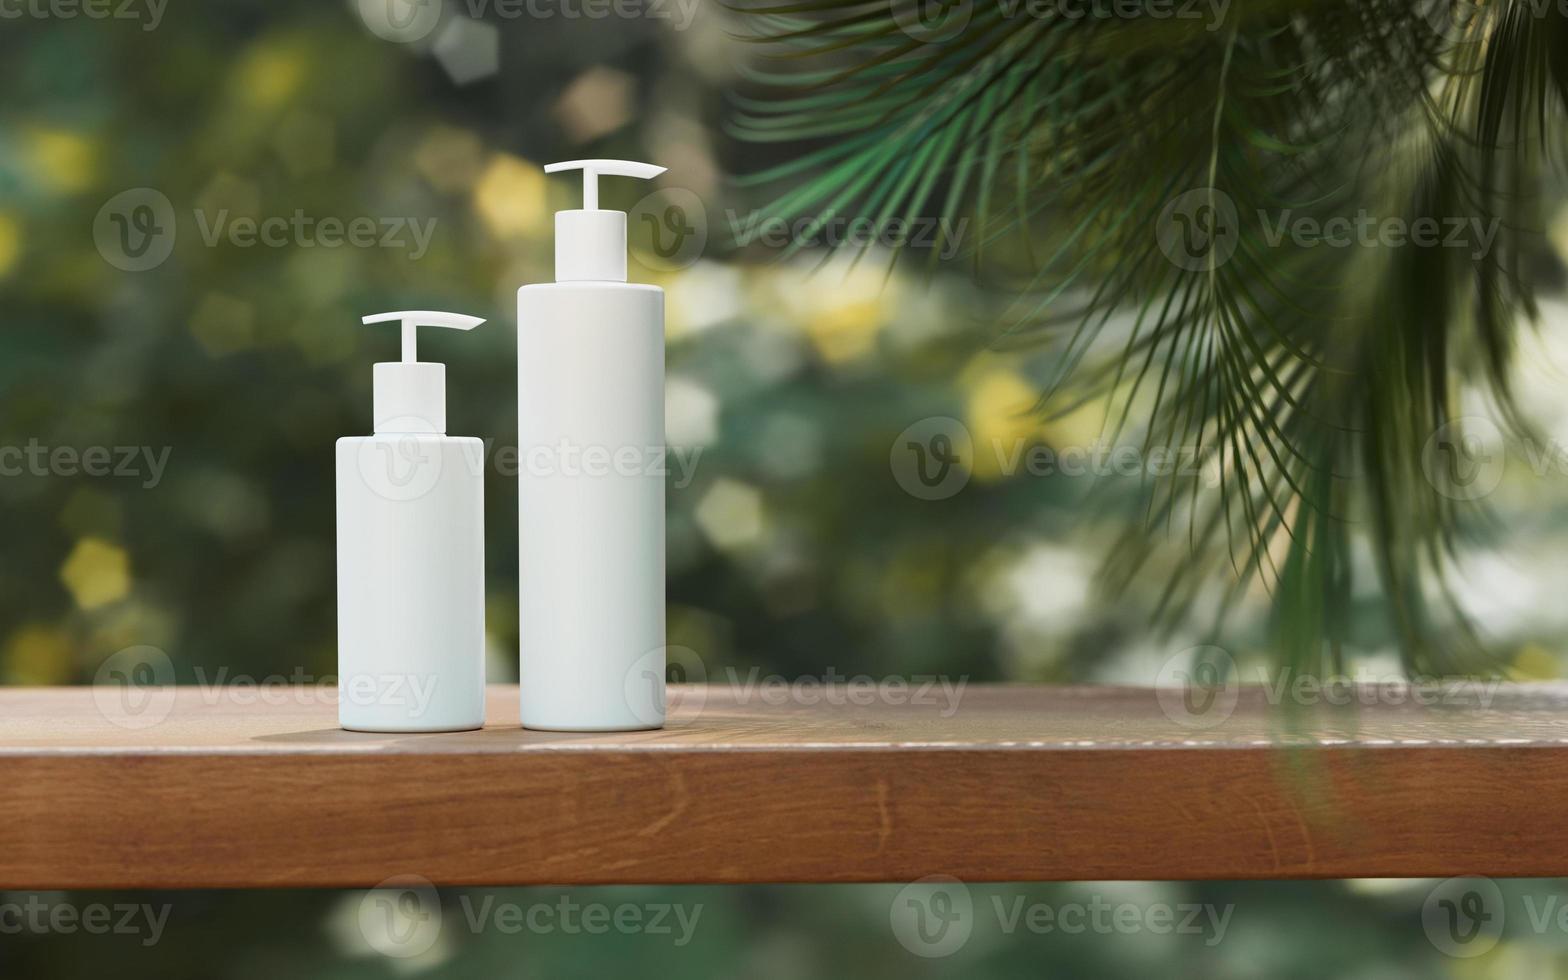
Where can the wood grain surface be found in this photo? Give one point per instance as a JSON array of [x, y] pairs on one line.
[[240, 787]]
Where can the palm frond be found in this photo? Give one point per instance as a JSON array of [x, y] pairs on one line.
[[1132, 180]]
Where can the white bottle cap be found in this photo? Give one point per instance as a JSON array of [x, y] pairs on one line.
[[590, 244], [410, 395]]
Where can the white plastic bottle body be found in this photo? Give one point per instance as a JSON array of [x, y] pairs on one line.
[[591, 505], [411, 618]]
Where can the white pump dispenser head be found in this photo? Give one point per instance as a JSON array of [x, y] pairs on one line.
[[410, 395], [590, 244]]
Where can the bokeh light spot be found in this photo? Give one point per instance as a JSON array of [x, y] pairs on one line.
[[96, 573]]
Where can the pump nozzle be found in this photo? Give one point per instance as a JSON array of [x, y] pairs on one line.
[[593, 168], [410, 395], [412, 319], [590, 244]]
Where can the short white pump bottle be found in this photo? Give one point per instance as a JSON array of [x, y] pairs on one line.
[[590, 417], [410, 516]]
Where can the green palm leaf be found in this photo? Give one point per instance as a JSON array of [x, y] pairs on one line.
[[1132, 181]]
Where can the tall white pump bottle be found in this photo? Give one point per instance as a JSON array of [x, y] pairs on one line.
[[411, 554], [590, 416]]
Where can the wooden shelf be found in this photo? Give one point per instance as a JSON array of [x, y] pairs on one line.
[[239, 789]]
